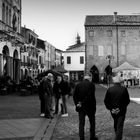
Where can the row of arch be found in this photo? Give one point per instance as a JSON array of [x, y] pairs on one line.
[[9, 68], [96, 75]]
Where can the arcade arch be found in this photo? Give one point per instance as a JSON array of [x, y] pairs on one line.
[[95, 74], [5, 64], [15, 66]]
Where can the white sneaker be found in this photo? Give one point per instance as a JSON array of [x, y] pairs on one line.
[[65, 115], [42, 115]]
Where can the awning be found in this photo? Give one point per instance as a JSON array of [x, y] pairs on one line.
[[125, 66], [60, 69]]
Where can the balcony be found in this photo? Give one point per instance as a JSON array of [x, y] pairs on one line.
[[5, 28], [10, 34]]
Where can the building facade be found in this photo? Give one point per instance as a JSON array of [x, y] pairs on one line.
[[22, 53], [42, 56], [11, 39], [58, 57], [29, 54], [111, 40], [74, 60]]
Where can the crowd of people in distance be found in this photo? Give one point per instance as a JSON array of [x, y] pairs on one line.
[[53, 94]]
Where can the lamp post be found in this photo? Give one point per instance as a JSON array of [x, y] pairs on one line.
[[109, 58]]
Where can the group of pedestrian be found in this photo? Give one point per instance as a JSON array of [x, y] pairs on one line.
[[53, 92], [116, 101]]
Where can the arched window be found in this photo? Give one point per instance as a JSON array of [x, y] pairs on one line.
[[9, 17], [95, 74], [3, 12], [7, 14]]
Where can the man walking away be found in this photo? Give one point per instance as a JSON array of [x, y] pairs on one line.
[[85, 102], [116, 100]]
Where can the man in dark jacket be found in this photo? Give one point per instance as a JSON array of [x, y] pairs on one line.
[[60, 92], [117, 100], [41, 97], [85, 102], [48, 92]]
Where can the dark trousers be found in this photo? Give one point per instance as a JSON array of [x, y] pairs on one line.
[[64, 105], [118, 125], [56, 105], [47, 105], [91, 117], [42, 105]]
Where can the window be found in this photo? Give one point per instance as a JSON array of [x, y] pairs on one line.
[[40, 60], [7, 14], [68, 60], [139, 33], [109, 33], [91, 33], [3, 12], [100, 50], [9, 17], [81, 60], [123, 33]]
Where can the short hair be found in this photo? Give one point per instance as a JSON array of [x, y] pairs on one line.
[[116, 79], [49, 74], [87, 76]]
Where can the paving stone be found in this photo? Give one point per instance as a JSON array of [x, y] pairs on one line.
[[67, 128]]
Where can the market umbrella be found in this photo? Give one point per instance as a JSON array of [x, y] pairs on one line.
[[60, 69], [49, 71], [125, 66]]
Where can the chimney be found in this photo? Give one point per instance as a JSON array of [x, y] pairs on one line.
[[115, 17]]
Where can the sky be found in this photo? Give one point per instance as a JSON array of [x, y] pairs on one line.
[[59, 21]]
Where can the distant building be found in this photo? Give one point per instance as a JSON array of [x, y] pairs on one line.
[[74, 60], [58, 57], [52, 56], [29, 54], [111, 40], [41, 62], [10, 38]]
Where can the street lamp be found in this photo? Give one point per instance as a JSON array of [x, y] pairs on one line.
[[109, 58]]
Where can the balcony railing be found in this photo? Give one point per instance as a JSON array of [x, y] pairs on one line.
[[7, 30]]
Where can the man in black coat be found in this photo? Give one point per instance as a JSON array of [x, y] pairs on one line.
[[116, 100], [85, 102], [48, 92], [41, 97]]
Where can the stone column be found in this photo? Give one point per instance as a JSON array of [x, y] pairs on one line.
[[8, 65], [1, 65], [11, 67]]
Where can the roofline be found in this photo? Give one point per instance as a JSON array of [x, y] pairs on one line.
[[58, 50], [72, 51], [111, 25], [30, 30]]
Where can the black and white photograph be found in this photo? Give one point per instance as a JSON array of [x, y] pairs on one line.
[[69, 70]]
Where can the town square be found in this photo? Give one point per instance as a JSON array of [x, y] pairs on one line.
[[69, 70]]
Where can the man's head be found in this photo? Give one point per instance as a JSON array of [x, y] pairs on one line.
[[88, 77], [116, 79], [59, 79], [49, 76]]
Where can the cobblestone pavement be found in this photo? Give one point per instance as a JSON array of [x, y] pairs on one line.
[[67, 128]]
